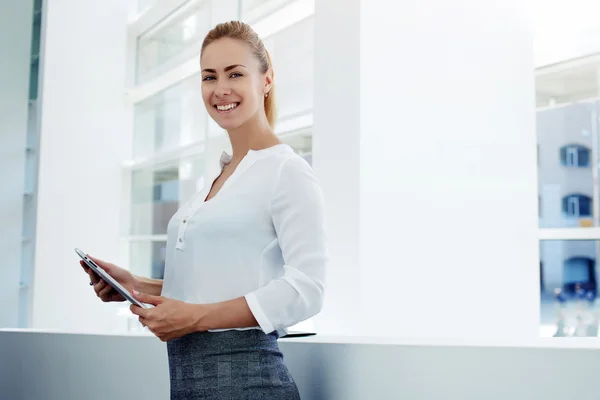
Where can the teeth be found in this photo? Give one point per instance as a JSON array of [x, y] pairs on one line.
[[227, 107]]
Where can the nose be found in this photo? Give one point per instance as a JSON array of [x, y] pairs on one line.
[[222, 89]]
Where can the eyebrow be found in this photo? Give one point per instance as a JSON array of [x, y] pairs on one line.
[[212, 71]]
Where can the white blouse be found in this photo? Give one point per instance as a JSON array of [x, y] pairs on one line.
[[262, 237]]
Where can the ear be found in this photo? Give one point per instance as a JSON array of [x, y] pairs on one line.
[[268, 81]]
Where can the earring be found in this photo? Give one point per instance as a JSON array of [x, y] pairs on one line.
[[266, 94]]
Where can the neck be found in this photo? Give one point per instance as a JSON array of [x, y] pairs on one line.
[[255, 134]]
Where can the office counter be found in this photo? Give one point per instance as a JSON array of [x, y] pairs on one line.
[[52, 366]]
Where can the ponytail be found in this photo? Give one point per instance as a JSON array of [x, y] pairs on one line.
[[270, 107]]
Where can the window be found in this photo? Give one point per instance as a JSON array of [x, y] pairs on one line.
[[174, 141], [30, 184], [301, 143], [143, 5], [173, 41], [158, 192], [148, 258], [577, 205], [543, 288], [567, 266], [254, 10], [294, 67], [170, 119], [575, 156], [565, 138], [566, 123], [579, 272]]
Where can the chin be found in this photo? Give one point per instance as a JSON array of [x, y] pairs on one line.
[[230, 122], [228, 125]]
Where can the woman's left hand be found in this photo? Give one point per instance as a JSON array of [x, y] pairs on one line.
[[168, 319]]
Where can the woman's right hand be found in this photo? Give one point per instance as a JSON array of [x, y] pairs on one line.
[[103, 289]]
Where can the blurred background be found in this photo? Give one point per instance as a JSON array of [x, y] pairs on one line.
[[115, 137]]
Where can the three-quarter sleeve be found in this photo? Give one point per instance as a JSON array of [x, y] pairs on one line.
[[297, 209]]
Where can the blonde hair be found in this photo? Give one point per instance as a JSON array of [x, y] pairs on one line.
[[241, 31]]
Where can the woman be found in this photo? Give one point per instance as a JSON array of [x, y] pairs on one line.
[[246, 256]]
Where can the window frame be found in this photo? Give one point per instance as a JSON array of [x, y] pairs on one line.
[[290, 13], [573, 155], [588, 228], [572, 205]]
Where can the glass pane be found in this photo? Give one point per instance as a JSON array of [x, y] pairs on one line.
[[148, 259], [158, 192], [568, 281], [302, 145], [174, 40], [170, 119], [567, 141], [254, 10], [293, 66], [143, 5]]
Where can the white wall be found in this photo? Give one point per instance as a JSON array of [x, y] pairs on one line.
[[565, 29], [448, 173], [15, 25], [447, 198], [83, 142]]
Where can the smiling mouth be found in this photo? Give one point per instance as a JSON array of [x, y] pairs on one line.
[[223, 109]]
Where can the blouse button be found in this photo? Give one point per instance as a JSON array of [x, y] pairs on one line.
[[180, 240], [184, 221]]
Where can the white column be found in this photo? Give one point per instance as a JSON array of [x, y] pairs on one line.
[[336, 155], [84, 140], [433, 157]]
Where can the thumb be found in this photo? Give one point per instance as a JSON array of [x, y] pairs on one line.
[[105, 265], [148, 298]]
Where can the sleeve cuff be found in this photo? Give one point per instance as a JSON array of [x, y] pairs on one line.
[[258, 313]]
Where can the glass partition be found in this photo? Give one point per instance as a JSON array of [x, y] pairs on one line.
[[172, 41], [170, 119]]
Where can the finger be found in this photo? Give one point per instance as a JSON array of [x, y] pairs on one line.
[[105, 291], [105, 265], [84, 266], [147, 324], [87, 270], [139, 311], [93, 277], [99, 286], [148, 298]]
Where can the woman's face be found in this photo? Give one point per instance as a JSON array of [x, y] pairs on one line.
[[233, 86]]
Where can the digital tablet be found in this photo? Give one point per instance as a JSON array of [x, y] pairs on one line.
[[109, 279], [293, 334]]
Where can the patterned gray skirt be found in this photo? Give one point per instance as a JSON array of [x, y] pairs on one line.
[[236, 365]]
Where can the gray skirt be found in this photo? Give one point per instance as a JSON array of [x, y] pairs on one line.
[[237, 365]]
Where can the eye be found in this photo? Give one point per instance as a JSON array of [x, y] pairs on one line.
[[235, 75], [208, 78]]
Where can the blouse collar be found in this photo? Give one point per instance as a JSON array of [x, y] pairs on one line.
[[254, 155]]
